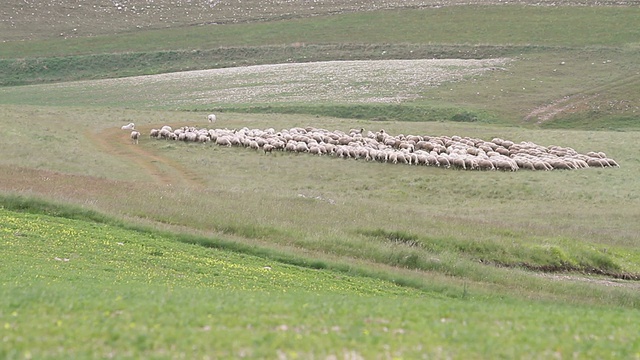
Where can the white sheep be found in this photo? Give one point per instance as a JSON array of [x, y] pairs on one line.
[[356, 131], [223, 141], [461, 153], [164, 133], [211, 118], [135, 135], [129, 126], [268, 148]]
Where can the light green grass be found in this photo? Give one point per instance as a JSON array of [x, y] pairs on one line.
[[597, 46], [74, 288], [330, 207], [189, 278], [505, 96], [497, 25]]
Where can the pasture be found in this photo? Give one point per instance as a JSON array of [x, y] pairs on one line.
[[101, 291], [287, 255]]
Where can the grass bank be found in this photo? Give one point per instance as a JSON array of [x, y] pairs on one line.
[[466, 226], [77, 288]]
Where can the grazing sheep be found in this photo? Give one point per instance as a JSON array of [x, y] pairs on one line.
[[502, 151], [129, 126], [597, 162], [526, 164], [203, 138], [291, 146], [315, 149], [485, 164], [458, 163], [254, 145], [443, 161], [611, 162], [542, 165], [393, 157], [407, 146], [223, 141], [302, 147], [191, 136], [267, 148], [135, 135], [455, 151], [211, 118], [470, 162]]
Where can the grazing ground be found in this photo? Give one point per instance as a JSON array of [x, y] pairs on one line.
[[346, 82], [135, 285], [29, 19], [113, 249]]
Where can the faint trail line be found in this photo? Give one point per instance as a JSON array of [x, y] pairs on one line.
[[575, 102], [116, 142]]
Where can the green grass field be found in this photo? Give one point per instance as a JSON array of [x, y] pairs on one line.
[[170, 249], [103, 291]]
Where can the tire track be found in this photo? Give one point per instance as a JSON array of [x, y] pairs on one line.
[[164, 171], [576, 102]]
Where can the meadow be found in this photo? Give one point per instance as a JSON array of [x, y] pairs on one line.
[[101, 291], [118, 250]]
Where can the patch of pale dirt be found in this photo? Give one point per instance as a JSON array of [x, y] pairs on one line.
[[630, 284], [566, 105]]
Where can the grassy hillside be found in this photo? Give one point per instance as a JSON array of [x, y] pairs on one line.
[[495, 25], [24, 20], [552, 45], [171, 249], [530, 90], [84, 289], [461, 224]]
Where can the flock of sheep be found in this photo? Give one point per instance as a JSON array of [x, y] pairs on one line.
[[443, 151]]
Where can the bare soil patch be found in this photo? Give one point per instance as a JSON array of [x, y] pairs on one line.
[[615, 282]]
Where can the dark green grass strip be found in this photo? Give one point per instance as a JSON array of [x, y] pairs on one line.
[[373, 112]]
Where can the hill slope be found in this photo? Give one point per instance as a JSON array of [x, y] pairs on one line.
[[76, 288]]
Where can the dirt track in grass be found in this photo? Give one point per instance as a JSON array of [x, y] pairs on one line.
[[583, 102], [163, 171]]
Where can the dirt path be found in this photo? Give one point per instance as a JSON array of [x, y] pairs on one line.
[[162, 170], [577, 102]]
